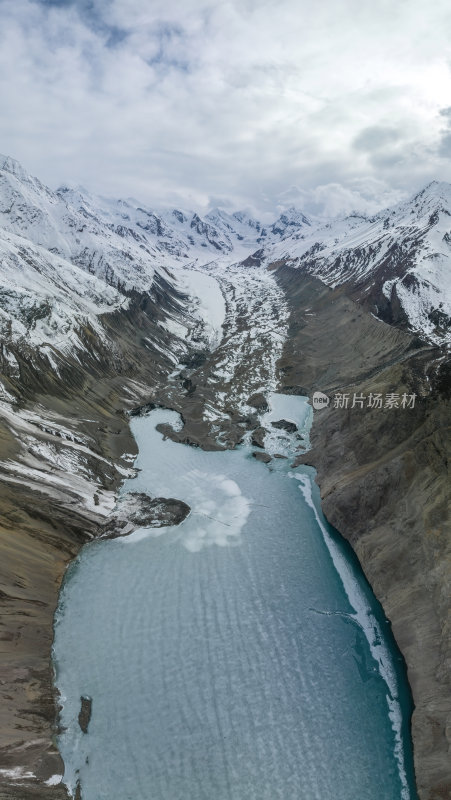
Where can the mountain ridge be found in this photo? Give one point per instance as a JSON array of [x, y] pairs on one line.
[[397, 263]]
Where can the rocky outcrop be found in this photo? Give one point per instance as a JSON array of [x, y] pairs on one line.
[[263, 457], [138, 510], [258, 437], [84, 717], [259, 402], [285, 425], [384, 476]]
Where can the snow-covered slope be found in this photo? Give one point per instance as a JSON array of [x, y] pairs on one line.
[[67, 257], [77, 255], [398, 262], [44, 298], [120, 241], [78, 234]]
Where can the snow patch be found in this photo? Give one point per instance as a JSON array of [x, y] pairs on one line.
[[54, 780], [17, 773]]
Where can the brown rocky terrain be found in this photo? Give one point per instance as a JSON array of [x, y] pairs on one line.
[[385, 482]]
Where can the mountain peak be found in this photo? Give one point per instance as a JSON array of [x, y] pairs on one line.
[[8, 164], [293, 214], [290, 221], [440, 190]]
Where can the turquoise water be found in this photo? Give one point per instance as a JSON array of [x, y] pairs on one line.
[[238, 656]]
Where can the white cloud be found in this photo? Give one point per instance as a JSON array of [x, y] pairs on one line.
[[175, 103]]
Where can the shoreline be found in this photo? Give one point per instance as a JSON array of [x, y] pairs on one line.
[[383, 646]]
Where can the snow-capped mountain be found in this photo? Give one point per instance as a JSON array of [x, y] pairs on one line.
[[238, 227], [120, 241], [42, 294], [67, 256], [397, 262], [290, 223]]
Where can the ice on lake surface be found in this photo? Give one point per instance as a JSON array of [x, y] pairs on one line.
[[238, 656]]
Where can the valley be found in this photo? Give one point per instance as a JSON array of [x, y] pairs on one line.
[[106, 309]]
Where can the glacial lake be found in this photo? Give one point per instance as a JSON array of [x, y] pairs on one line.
[[238, 656]]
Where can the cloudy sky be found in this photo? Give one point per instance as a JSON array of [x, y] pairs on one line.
[[258, 104]]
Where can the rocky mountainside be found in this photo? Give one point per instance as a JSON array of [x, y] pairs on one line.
[[385, 482], [397, 263]]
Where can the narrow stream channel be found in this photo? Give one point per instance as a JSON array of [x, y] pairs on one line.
[[238, 656]]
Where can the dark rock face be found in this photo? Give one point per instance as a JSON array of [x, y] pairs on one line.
[[264, 457], [253, 260], [259, 402], [84, 717], [258, 437], [138, 510], [164, 511], [210, 233], [285, 425], [195, 360]]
